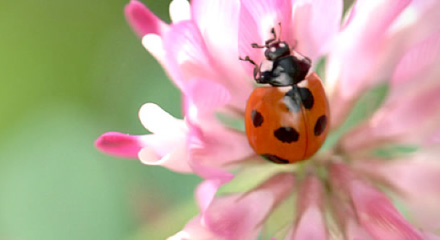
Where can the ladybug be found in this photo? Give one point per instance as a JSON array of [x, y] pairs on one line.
[[288, 121]]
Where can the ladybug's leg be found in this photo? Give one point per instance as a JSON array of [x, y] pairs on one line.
[[255, 45], [308, 60], [257, 75], [256, 69], [305, 59]]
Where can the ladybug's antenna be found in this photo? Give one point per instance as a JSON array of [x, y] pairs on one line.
[[268, 41]]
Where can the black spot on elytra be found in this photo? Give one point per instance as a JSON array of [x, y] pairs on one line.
[[320, 125], [298, 96], [286, 134], [274, 158], [257, 118]]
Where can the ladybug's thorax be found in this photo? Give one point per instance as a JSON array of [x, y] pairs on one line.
[[277, 50], [284, 71]]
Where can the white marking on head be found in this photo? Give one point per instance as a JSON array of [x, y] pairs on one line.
[[272, 49], [282, 45]]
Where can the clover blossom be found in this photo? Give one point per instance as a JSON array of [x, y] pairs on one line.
[[377, 175]]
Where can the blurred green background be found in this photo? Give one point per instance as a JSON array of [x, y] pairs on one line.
[[70, 71]]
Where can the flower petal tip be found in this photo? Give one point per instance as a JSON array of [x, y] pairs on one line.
[[180, 10], [157, 120], [119, 144], [142, 20], [154, 44]]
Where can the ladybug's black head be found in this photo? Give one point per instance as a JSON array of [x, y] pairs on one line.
[[284, 69], [276, 50]]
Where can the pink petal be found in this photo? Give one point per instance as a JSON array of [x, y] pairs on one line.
[[281, 185], [418, 62], [346, 217], [357, 57], [188, 58], [315, 24], [354, 231], [195, 230], [431, 236], [213, 149], [215, 177], [363, 35], [377, 57], [203, 169], [311, 223], [186, 54], [237, 217], [240, 216], [142, 20], [378, 215], [224, 146], [411, 178], [406, 119], [218, 146], [400, 120], [407, 31], [120, 144], [168, 155], [375, 211], [248, 34], [256, 20], [218, 22], [311, 194], [204, 97], [167, 146], [409, 119], [310, 226], [206, 191], [361, 40], [433, 139]]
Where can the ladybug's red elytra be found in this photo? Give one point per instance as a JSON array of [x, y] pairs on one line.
[[287, 121]]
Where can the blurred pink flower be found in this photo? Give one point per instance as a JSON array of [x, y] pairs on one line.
[[376, 178]]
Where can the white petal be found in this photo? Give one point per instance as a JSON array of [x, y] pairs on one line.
[[153, 43], [156, 120], [180, 10]]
